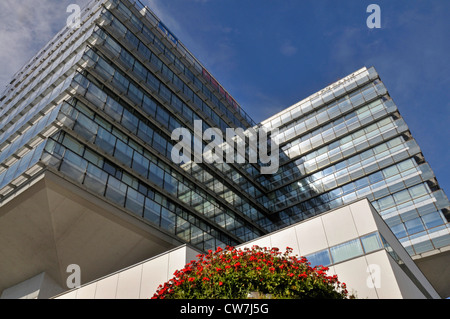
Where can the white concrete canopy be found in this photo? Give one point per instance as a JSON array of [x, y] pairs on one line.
[[55, 223]]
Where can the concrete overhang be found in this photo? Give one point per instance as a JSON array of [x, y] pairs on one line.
[[54, 223], [436, 268]]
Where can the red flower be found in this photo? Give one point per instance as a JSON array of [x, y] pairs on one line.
[[212, 270]]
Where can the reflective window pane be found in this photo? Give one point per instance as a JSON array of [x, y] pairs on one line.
[[371, 242], [346, 251], [321, 258]]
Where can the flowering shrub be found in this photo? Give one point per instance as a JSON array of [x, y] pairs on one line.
[[237, 274]]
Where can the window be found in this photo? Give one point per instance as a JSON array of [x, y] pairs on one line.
[[132, 39], [123, 153], [391, 171], [173, 124], [129, 121], [116, 191], [170, 184], [179, 65], [136, 22], [152, 211], [144, 51], [86, 127], [114, 109], [178, 83], [149, 106], [153, 82], [135, 201], [130, 180], [376, 177], [127, 58], [113, 46], [386, 202], [73, 145], [189, 74], [162, 117], [371, 242], [196, 235], [103, 123], [321, 258], [167, 72], [433, 220], [414, 226], [95, 179], [140, 70], [105, 140], [159, 143], [93, 158], [406, 165], [170, 55], [177, 104], [165, 93], [10, 173], [402, 197], [124, 10], [145, 133], [187, 112], [24, 162], [109, 168], [99, 94], [148, 34], [159, 45], [135, 94], [74, 166], [418, 191], [399, 230], [183, 228], [156, 61], [140, 164], [121, 81], [156, 175], [346, 250], [168, 220]]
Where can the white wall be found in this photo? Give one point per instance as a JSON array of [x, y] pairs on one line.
[[344, 224], [137, 282]]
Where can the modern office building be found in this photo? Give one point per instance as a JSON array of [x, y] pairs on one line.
[[87, 175]]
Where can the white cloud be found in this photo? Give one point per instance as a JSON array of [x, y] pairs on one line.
[[25, 27], [287, 49]]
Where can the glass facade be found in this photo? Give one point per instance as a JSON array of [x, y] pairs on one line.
[[98, 106], [350, 142]]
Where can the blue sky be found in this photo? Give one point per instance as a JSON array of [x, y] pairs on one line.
[[270, 54]]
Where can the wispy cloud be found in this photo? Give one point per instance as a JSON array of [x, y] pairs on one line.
[[287, 49], [25, 27]]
